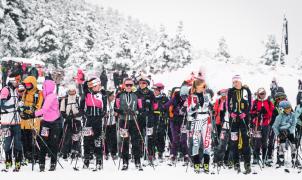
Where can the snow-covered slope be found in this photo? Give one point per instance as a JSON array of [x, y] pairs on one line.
[[219, 75]]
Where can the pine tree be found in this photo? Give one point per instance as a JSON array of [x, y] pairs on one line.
[[181, 48], [9, 42], [222, 51], [162, 52], [272, 52]]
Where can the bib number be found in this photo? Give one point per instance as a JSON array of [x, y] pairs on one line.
[[87, 131], [45, 131]]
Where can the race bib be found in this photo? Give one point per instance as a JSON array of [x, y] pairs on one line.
[[45, 131], [6, 132], [183, 129], [257, 134], [75, 137], [124, 133], [234, 136], [149, 131], [87, 131]]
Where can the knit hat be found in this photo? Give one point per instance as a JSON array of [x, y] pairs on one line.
[[236, 78]]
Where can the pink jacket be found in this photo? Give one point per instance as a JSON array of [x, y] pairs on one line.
[[80, 77], [50, 109]]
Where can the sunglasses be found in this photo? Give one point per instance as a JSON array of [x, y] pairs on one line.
[[128, 85], [142, 82], [262, 94]]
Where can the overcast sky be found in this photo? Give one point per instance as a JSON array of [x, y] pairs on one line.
[[244, 23]]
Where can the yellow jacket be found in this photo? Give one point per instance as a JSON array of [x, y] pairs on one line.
[[31, 98]]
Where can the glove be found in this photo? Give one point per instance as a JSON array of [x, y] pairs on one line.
[[283, 134], [242, 116], [233, 115]]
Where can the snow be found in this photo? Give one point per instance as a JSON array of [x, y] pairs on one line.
[[162, 171], [219, 75]]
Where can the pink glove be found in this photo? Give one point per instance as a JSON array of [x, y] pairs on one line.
[[242, 115], [233, 115]]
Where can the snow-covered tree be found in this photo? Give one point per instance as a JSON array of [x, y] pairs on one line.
[[223, 53], [272, 52], [162, 52], [9, 42], [181, 48]]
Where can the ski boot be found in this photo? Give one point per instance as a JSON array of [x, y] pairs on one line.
[[125, 165], [280, 161], [172, 161], [52, 167], [206, 168], [99, 164], [8, 164], [86, 164], [42, 167], [17, 166], [237, 167], [197, 168], [247, 167], [138, 164]]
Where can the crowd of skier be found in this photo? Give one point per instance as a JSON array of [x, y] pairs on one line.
[[137, 122]]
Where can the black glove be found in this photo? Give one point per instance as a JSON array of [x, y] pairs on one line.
[[283, 134]]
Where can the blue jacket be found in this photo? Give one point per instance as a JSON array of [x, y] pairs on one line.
[[285, 122]]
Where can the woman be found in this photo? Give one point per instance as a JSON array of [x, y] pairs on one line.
[[51, 125], [199, 124]]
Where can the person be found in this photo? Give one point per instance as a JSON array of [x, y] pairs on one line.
[[146, 116], [94, 105], [127, 106], [280, 96], [222, 153], [284, 128], [275, 88], [80, 78], [261, 113], [104, 79], [70, 143], [32, 71], [199, 124], [51, 125], [160, 119], [10, 122], [177, 119], [220, 109], [110, 127], [32, 101], [239, 105], [116, 79]]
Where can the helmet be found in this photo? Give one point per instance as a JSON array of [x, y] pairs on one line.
[[285, 104]]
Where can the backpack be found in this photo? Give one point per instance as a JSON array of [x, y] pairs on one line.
[[171, 107]]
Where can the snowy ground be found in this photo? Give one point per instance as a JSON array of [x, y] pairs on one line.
[[162, 171]]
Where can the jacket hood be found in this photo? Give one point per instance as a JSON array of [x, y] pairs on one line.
[[48, 87], [32, 80]]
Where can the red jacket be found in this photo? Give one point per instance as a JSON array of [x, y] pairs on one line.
[[256, 111]]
